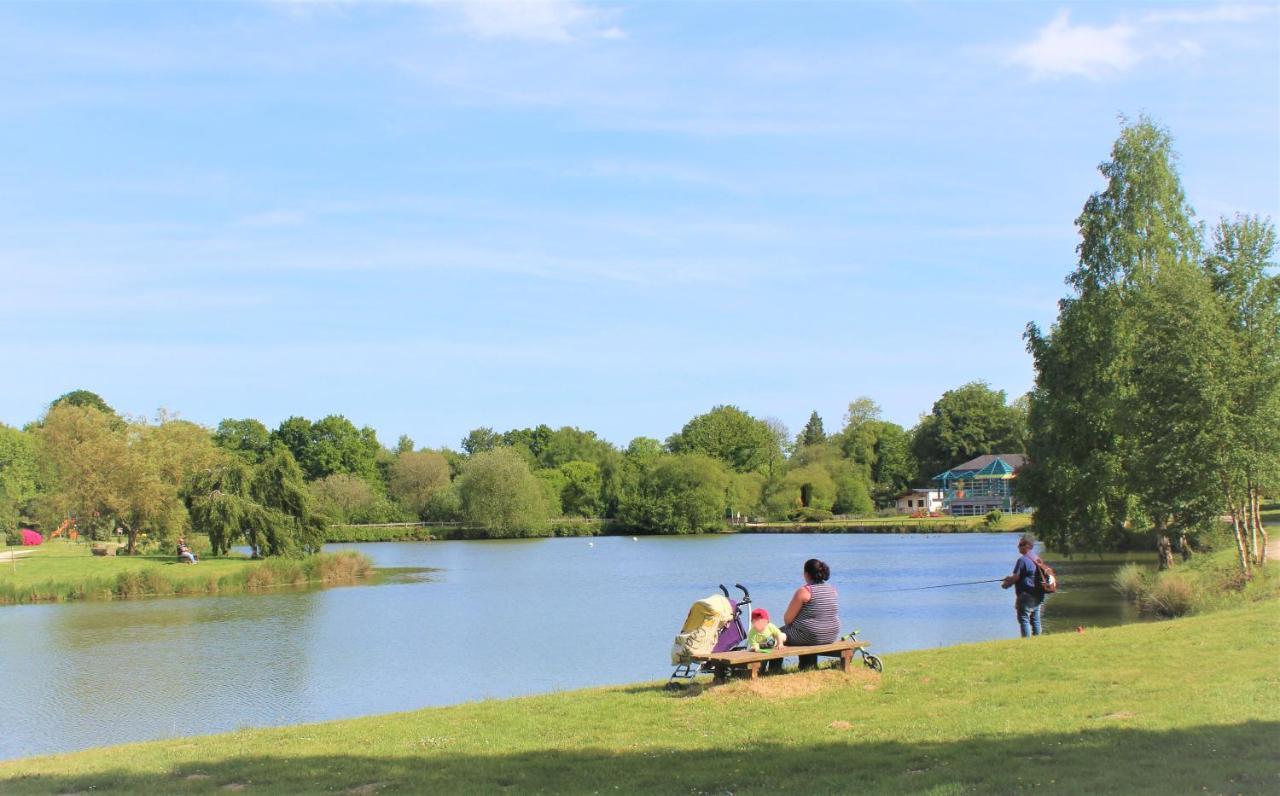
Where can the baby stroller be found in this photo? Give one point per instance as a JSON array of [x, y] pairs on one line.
[[714, 625]]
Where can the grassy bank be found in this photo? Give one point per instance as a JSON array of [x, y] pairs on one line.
[[402, 532], [1008, 522], [411, 532], [1171, 707], [1208, 582], [58, 571]]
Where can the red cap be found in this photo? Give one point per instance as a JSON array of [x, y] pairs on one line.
[[760, 613]]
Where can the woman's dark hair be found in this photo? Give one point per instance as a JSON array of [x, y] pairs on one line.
[[817, 571]]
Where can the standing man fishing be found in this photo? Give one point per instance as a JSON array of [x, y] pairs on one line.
[[1030, 597]]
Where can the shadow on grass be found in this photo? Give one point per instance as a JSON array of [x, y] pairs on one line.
[[1241, 758]]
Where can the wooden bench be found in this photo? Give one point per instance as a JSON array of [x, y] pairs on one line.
[[722, 663]]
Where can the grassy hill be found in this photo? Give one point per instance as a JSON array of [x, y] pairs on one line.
[[1190, 705]]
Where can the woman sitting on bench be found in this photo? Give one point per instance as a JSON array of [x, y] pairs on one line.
[[813, 617], [185, 554]]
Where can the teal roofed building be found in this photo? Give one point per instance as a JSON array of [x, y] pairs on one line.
[[982, 485]]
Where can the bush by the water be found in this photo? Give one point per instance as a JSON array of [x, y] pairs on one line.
[[1171, 596], [1130, 581], [1207, 582], [809, 514]]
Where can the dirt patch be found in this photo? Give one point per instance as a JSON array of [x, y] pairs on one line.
[[235, 786], [840, 725], [367, 789], [1123, 714], [795, 684], [195, 777]]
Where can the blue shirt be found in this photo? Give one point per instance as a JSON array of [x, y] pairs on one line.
[[1025, 572]]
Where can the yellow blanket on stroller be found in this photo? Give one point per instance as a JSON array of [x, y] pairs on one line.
[[698, 637]]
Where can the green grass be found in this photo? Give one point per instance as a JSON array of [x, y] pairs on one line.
[[1187, 705], [58, 571], [895, 524], [1208, 582]]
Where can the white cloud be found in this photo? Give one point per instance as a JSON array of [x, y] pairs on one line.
[[533, 20], [1223, 12], [1061, 48]]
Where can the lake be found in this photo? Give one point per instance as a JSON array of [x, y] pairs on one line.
[[580, 612]]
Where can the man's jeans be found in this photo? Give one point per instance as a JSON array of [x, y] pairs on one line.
[[1028, 605]]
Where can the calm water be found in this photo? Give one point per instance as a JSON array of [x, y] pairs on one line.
[[581, 613]]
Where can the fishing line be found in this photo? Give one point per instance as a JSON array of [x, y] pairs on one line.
[[940, 586]]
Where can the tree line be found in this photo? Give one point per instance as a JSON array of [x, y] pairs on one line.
[[1157, 394], [277, 489]]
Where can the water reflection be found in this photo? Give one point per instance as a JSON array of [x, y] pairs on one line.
[[97, 673]]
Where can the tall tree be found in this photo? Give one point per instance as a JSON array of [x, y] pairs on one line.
[[678, 493], [84, 398], [581, 494], [18, 471], [479, 440], [416, 476], [1241, 268], [332, 445], [1178, 411], [265, 505], [965, 422], [1077, 440], [108, 474], [813, 433], [247, 438], [500, 494], [731, 435]]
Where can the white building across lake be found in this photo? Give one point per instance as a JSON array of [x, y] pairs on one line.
[[926, 500]]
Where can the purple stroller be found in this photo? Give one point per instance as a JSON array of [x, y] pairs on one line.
[[732, 636]]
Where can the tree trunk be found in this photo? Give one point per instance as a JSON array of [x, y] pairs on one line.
[[1240, 542], [1259, 527], [1165, 549], [1250, 524], [1241, 550], [1184, 546]]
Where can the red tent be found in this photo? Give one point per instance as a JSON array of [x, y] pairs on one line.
[[30, 537]]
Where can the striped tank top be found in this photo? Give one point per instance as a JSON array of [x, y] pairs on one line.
[[819, 620]]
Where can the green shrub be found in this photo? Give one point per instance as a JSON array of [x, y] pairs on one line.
[[1171, 596], [1130, 580], [993, 518], [809, 514]]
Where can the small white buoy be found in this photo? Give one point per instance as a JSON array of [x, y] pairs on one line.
[[591, 544], [634, 539]]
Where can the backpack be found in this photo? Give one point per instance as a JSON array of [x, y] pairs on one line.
[[1046, 580]]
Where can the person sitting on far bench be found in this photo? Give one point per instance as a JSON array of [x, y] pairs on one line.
[[185, 554]]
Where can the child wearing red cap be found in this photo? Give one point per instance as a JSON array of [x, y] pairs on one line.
[[763, 635]]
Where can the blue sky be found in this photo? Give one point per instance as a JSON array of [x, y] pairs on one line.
[[434, 216]]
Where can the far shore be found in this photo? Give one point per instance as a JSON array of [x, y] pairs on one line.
[[431, 532]]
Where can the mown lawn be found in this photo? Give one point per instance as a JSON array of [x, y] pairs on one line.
[[58, 560], [60, 570], [1190, 705]]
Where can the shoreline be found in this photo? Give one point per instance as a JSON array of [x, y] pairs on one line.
[[438, 532]]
